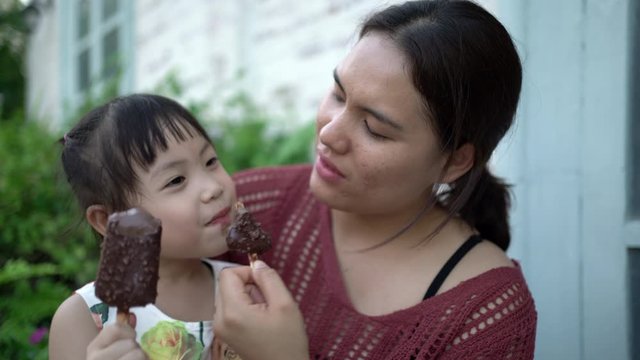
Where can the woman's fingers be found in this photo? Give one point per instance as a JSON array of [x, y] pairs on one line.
[[257, 316], [232, 284], [271, 285], [255, 294]]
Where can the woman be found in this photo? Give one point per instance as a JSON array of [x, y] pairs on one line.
[[392, 243]]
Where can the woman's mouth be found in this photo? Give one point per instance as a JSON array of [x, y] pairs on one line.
[[327, 171]]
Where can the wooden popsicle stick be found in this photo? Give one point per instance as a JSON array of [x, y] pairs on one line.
[[122, 317], [252, 259]]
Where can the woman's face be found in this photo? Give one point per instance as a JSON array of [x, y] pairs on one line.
[[376, 150]]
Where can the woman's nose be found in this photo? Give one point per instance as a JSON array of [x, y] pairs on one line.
[[333, 132]]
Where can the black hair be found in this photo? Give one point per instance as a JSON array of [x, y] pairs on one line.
[[100, 152], [466, 67]]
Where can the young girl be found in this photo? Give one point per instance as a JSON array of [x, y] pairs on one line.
[[148, 151]]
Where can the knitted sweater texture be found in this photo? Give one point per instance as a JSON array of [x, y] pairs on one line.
[[491, 316]]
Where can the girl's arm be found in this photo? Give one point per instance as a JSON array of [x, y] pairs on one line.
[[72, 329], [74, 335]]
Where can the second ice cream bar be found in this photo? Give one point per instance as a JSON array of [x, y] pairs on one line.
[[128, 272], [246, 235]]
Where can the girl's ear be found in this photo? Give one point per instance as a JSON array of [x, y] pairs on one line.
[[97, 217], [461, 161]]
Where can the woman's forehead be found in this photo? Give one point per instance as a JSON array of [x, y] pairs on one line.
[[376, 74]]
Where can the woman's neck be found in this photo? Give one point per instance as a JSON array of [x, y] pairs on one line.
[[360, 232]]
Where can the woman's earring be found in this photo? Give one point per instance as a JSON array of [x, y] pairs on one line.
[[440, 188]]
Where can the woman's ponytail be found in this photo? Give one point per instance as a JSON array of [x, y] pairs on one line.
[[487, 207]]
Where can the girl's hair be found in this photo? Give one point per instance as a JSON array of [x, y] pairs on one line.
[[99, 154], [465, 65]]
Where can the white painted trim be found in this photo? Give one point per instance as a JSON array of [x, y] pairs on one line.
[[71, 47]]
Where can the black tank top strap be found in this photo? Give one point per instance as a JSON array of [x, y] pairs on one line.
[[472, 241]]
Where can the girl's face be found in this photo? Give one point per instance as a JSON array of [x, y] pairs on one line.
[[376, 151], [188, 189]]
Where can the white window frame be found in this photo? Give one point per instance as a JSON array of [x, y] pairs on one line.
[[71, 46]]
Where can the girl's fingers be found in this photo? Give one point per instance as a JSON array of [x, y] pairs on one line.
[[112, 333], [136, 354], [116, 341]]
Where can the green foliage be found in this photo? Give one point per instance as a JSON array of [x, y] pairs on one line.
[[244, 134], [44, 253], [245, 140], [12, 45]]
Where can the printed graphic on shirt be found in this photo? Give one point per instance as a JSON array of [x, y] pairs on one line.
[[170, 340], [100, 314]]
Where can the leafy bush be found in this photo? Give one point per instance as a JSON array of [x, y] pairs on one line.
[[44, 251], [246, 140], [246, 135]]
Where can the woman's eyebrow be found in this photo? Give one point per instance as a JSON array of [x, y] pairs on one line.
[[376, 114]]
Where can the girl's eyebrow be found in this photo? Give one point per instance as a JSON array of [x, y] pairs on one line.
[[176, 163], [375, 113]]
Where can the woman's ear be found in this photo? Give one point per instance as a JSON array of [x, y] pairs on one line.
[[460, 162], [97, 217]]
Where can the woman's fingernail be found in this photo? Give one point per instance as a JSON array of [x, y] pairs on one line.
[[259, 264]]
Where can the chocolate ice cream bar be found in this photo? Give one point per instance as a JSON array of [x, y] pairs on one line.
[[128, 273], [246, 235]]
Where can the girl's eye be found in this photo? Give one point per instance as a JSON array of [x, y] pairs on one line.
[[337, 97], [176, 181], [211, 162], [373, 133]]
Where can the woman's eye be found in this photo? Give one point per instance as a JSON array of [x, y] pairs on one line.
[[337, 97], [373, 133], [176, 181], [211, 162]]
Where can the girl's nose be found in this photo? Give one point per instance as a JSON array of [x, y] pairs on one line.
[[211, 191]]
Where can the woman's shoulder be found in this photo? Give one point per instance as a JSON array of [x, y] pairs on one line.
[[480, 259]]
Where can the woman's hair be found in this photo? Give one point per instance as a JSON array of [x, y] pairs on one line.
[[465, 65], [100, 153]]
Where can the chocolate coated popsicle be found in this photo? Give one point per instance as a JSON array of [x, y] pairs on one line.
[[246, 235], [128, 272]]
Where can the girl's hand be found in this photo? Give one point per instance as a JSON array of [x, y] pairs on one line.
[[117, 341], [273, 329]]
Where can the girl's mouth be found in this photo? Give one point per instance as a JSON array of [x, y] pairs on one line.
[[222, 217]]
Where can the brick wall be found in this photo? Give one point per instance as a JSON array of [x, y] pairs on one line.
[[285, 49]]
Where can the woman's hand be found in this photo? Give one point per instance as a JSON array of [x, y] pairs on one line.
[[273, 329], [117, 341]]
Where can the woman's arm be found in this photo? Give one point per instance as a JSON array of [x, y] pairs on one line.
[[270, 330]]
